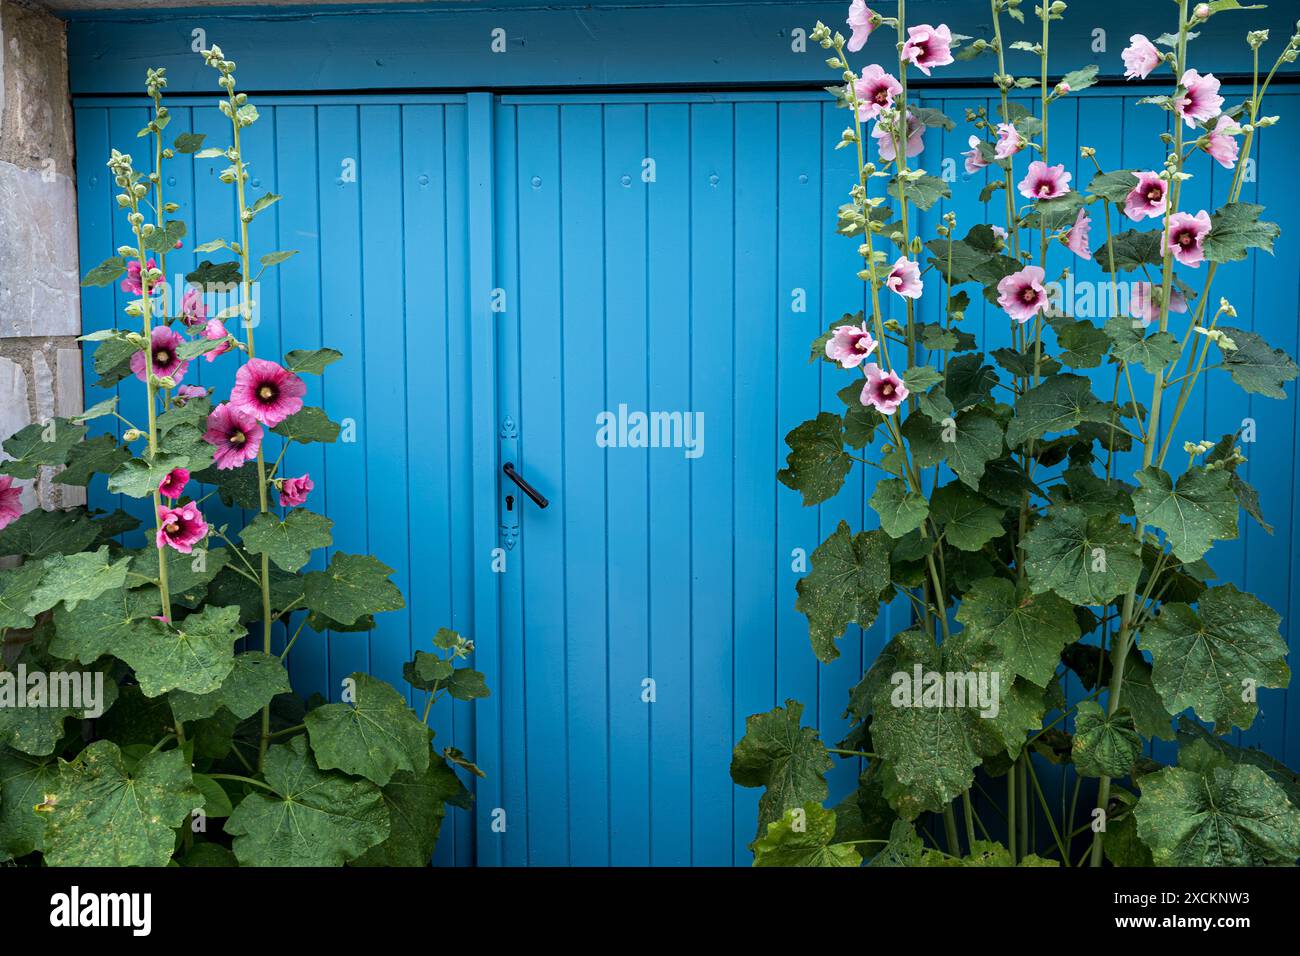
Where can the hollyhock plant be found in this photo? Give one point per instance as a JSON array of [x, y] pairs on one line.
[[975, 160], [235, 434], [10, 507], [173, 486], [1222, 144], [928, 47], [850, 344], [1147, 198], [875, 90], [1044, 182], [294, 491], [181, 528], [267, 391], [1185, 236], [1143, 301], [1140, 57], [905, 278], [1022, 294], [1200, 101], [1076, 239], [861, 22], [885, 138], [167, 363], [213, 330], [1009, 141], [883, 391]]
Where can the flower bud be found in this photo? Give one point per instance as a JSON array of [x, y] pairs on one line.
[[132, 434], [1202, 11]]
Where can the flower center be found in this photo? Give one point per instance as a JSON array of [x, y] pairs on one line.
[[1186, 239], [1029, 296], [1045, 189], [886, 389], [882, 96], [860, 345], [1155, 194], [162, 357], [237, 438], [266, 393], [171, 527]]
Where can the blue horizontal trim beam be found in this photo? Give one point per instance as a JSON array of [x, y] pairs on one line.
[[714, 45]]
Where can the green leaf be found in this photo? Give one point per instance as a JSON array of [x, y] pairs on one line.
[[1256, 366], [1199, 510], [1058, 404], [310, 362], [253, 680], [900, 510], [189, 142], [433, 673], [1143, 700], [24, 782], [289, 543], [308, 425], [236, 486], [164, 240], [1114, 186], [849, 573], [417, 803], [923, 192], [40, 444], [1132, 250], [373, 736], [209, 275], [1211, 658], [140, 479], [275, 258], [790, 761], [1081, 78], [817, 464], [17, 585], [1131, 344], [264, 201], [803, 837], [108, 271], [107, 816], [74, 578], [1189, 731], [1028, 630], [98, 627], [1235, 229], [1083, 345], [100, 455], [188, 575], [312, 817], [194, 655], [968, 519], [905, 847], [977, 440], [352, 586], [39, 533], [970, 381], [1105, 745], [1085, 559]]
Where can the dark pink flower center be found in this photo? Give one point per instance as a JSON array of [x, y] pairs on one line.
[[882, 96], [886, 389], [1155, 194], [237, 438], [1185, 239], [1029, 296], [266, 392], [162, 357]]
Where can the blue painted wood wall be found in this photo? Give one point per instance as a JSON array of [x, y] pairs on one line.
[[673, 295]]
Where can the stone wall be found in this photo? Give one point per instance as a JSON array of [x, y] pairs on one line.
[[40, 359]]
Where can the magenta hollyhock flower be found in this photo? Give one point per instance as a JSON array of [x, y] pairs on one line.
[[1222, 146], [904, 278], [1147, 198], [1185, 236], [294, 491], [166, 363], [1044, 182], [885, 138], [883, 391], [1140, 57], [193, 311], [928, 47], [216, 329], [235, 434], [10, 507], [1143, 302], [181, 528], [267, 391], [1076, 240], [860, 16], [132, 283], [875, 90], [1009, 141], [1021, 294], [1200, 101], [850, 344], [974, 157], [186, 392], [173, 486]]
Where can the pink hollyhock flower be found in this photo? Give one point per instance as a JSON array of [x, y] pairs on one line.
[[1185, 236], [186, 392], [860, 20], [883, 391], [875, 90], [1076, 240], [850, 344], [1009, 141], [1143, 305], [216, 329], [193, 311], [928, 46], [905, 278], [294, 491], [885, 138], [267, 391], [235, 434], [1140, 57], [1044, 182], [10, 508], [166, 363], [998, 231], [1200, 101], [132, 283], [1147, 198], [181, 528], [173, 486], [1021, 294], [1222, 146], [974, 158]]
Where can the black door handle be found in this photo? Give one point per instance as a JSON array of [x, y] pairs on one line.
[[508, 469]]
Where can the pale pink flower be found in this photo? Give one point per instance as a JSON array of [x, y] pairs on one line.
[[998, 231], [928, 46], [860, 20], [885, 138], [883, 391], [1140, 57], [1200, 100], [173, 486], [904, 278], [181, 528], [1009, 141], [1076, 240], [1143, 301], [1147, 198], [1021, 294], [850, 344], [294, 491], [166, 362], [1222, 146], [132, 281], [974, 157], [235, 434], [1044, 182], [10, 507], [215, 329], [1185, 236], [875, 91], [267, 391], [186, 392], [193, 311]]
